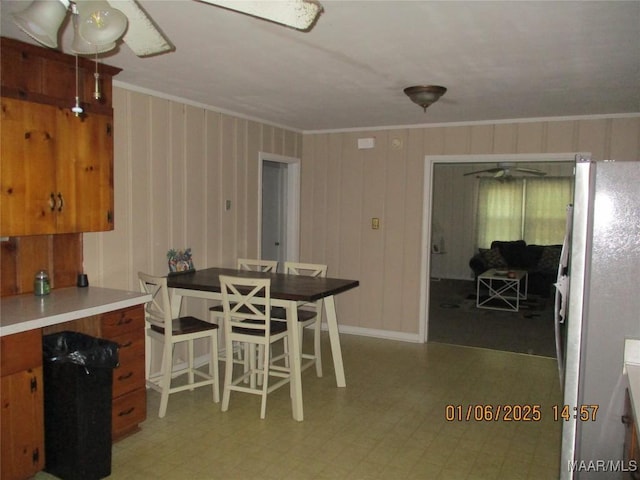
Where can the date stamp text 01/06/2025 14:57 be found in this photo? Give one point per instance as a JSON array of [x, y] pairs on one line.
[[518, 413]]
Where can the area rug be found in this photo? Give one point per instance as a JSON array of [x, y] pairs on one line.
[[455, 319], [529, 304]]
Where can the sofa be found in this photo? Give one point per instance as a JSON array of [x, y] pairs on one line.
[[540, 261]]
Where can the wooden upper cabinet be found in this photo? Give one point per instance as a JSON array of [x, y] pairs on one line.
[[56, 169], [84, 173], [44, 75], [27, 168]]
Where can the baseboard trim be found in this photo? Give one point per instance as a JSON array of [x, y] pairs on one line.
[[375, 333]]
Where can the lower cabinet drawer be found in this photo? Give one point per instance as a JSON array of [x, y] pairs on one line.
[[128, 376], [128, 411], [114, 324]]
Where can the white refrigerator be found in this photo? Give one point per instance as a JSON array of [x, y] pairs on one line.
[[600, 308]]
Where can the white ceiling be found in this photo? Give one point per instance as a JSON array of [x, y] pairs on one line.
[[499, 60]]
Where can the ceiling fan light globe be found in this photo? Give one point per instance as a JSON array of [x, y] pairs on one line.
[[81, 47], [41, 20], [99, 24]]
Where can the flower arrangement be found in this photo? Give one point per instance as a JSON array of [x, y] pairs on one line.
[[180, 260]]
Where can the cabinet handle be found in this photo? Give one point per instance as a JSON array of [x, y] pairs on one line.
[[60, 202], [125, 321], [125, 345], [52, 202], [124, 377], [126, 412]]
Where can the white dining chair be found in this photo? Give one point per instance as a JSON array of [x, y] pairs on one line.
[[216, 314], [169, 332], [246, 305], [309, 314]]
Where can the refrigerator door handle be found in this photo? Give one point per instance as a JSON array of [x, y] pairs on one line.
[[562, 293]]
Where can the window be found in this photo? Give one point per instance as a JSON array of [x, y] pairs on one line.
[[530, 209]]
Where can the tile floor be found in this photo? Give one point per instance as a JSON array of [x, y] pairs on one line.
[[389, 423]]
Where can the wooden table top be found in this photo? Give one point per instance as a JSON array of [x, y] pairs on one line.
[[283, 286]]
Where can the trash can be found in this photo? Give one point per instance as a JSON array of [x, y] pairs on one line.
[[78, 374]]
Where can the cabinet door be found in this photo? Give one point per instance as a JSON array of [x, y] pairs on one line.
[[22, 424], [85, 172], [27, 168]]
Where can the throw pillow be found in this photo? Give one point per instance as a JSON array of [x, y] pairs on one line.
[[549, 259], [512, 251], [494, 259]]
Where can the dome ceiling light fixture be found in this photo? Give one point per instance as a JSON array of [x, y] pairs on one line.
[[425, 95]]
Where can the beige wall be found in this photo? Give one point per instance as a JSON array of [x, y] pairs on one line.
[[344, 187], [176, 164]]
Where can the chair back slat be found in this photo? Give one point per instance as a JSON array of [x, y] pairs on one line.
[[256, 265], [308, 269], [158, 310], [246, 303]]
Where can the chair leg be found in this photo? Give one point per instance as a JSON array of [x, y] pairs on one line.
[[266, 358], [228, 373], [167, 367], [317, 346], [213, 366], [190, 376], [285, 349], [246, 359], [252, 365], [261, 354]]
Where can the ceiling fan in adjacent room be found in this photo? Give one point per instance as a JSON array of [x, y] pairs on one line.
[[505, 170], [99, 25]]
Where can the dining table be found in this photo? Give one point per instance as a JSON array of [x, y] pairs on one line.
[[286, 291]]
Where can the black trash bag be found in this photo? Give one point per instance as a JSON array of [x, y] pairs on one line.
[[80, 349], [78, 378]]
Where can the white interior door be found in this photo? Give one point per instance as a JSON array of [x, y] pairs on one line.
[[274, 215], [279, 207]]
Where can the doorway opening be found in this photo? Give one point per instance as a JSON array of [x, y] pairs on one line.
[[278, 207], [446, 251]]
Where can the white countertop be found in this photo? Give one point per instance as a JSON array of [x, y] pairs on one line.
[[632, 368], [20, 313]]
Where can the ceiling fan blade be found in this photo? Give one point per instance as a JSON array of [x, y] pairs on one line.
[[143, 37], [298, 14], [532, 171], [489, 170]]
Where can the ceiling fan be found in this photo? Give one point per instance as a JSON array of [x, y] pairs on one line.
[[99, 25], [505, 169]]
